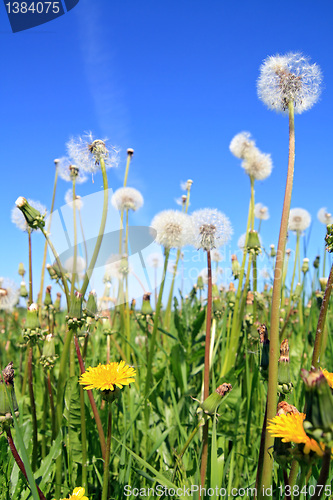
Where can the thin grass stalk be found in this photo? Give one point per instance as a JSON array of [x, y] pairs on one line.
[[107, 456], [72, 348], [33, 410], [204, 455], [100, 232], [275, 309], [83, 441], [321, 321], [83, 239], [40, 296]]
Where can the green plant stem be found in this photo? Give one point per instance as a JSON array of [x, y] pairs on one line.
[[107, 456], [293, 473], [101, 230], [254, 269], [33, 410], [40, 296], [204, 455], [53, 415], [18, 460], [75, 244], [92, 402], [323, 476], [294, 272], [274, 351], [83, 441], [321, 321], [167, 316], [129, 157], [154, 333], [30, 300]]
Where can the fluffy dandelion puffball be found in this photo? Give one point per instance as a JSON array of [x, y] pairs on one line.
[[78, 494], [261, 212], [9, 294], [127, 198], [212, 229], [108, 377], [69, 172], [299, 220], [216, 256], [80, 265], [155, 260], [88, 152], [174, 229], [324, 216], [290, 429], [69, 199], [241, 145], [18, 218], [289, 78], [257, 165]]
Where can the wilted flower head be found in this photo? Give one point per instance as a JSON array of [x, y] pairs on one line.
[[174, 229], [155, 260], [88, 152], [19, 220], [299, 220], [127, 198], [261, 212], [257, 165], [68, 172], [241, 145], [212, 229], [325, 217], [9, 294], [69, 199], [289, 78]]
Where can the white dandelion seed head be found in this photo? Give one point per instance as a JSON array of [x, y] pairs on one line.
[[68, 171], [265, 273], [127, 198], [241, 144], [289, 78], [80, 265], [261, 212], [174, 229], [88, 152], [9, 294], [171, 268], [216, 256], [257, 165], [299, 220], [69, 199], [155, 260], [117, 266], [212, 229], [186, 186], [324, 216], [18, 218], [204, 275]]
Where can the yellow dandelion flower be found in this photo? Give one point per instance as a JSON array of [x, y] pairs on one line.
[[328, 376], [290, 429], [108, 377], [78, 494]]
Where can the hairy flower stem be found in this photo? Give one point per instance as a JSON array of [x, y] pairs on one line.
[[84, 240], [204, 456], [321, 321], [33, 410], [61, 270], [30, 300], [83, 441], [101, 230], [18, 460], [323, 476], [294, 272], [73, 278], [274, 350], [40, 296], [153, 335], [107, 456], [92, 401]]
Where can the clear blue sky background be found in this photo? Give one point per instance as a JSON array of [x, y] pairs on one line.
[[175, 80]]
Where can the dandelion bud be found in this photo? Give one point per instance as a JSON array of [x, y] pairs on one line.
[[273, 251], [231, 295], [211, 404], [21, 269], [51, 271], [32, 330], [74, 318], [7, 391], [284, 383], [57, 302], [329, 238], [253, 243], [298, 291], [48, 298], [305, 265], [49, 356], [91, 306], [316, 262], [318, 400], [23, 289], [264, 362], [33, 217], [235, 266], [200, 283], [146, 308], [130, 151], [323, 283]]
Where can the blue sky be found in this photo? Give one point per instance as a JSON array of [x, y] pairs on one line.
[[175, 81]]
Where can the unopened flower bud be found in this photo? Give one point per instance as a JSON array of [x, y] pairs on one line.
[[316, 262], [273, 251], [318, 400], [146, 308], [323, 283], [57, 302], [211, 404], [253, 242], [7, 393], [23, 289], [91, 306], [33, 217], [329, 238], [305, 265], [235, 266], [21, 269], [48, 298]]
